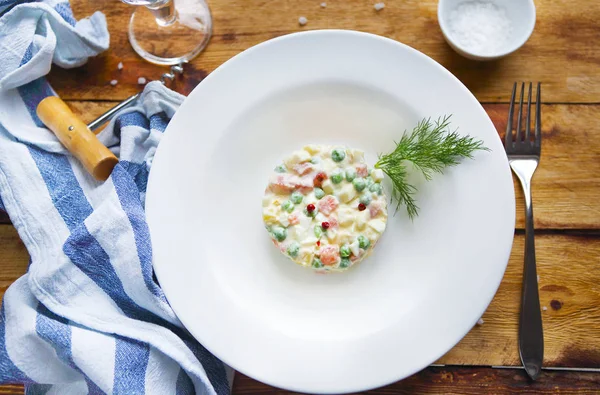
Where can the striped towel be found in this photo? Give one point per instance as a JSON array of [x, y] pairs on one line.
[[88, 317]]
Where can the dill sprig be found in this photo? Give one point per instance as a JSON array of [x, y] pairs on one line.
[[430, 147]]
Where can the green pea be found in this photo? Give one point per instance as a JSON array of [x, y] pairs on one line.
[[350, 175], [345, 263], [365, 199], [288, 206], [338, 155], [281, 169], [296, 197], [319, 193], [336, 178], [316, 263], [375, 188], [363, 242], [318, 231], [359, 184], [279, 233], [293, 249], [345, 251]]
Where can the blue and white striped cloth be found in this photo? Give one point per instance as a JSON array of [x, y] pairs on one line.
[[88, 317]]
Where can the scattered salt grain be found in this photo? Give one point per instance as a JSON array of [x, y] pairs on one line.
[[544, 308], [480, 27], [302, 20], [379, 6], [114, 82], [323, 5], [120, 66], [480, 321], [141, 80]]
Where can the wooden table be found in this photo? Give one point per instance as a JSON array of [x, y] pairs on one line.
[[562, 53]]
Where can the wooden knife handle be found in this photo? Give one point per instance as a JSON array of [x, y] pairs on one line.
[[77, 137]]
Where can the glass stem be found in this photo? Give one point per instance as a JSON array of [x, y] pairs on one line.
[[164, 12]]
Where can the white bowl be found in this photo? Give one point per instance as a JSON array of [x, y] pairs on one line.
[[520, 12]]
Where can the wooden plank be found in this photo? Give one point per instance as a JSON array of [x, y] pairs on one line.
[[569, 288], [90, 110], [564, 58], [565, 190], [443, 381], [460, 380], [567, 182], [4, 217], [13, 257]]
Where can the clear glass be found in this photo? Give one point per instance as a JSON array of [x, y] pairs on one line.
[[169, 32]]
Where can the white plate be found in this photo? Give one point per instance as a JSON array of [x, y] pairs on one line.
[[426, 283]]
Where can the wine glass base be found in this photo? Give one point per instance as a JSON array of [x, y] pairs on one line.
[[174, 39]]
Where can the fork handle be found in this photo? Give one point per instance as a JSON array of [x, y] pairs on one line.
[[531, 336]]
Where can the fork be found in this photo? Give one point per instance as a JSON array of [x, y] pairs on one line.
[[524, 155]]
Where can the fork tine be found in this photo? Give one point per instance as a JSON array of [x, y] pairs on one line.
[[519, 134], [528, 121], [508, 136], [538, 116]]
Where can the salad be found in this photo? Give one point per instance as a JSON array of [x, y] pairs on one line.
[[324, 208]]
